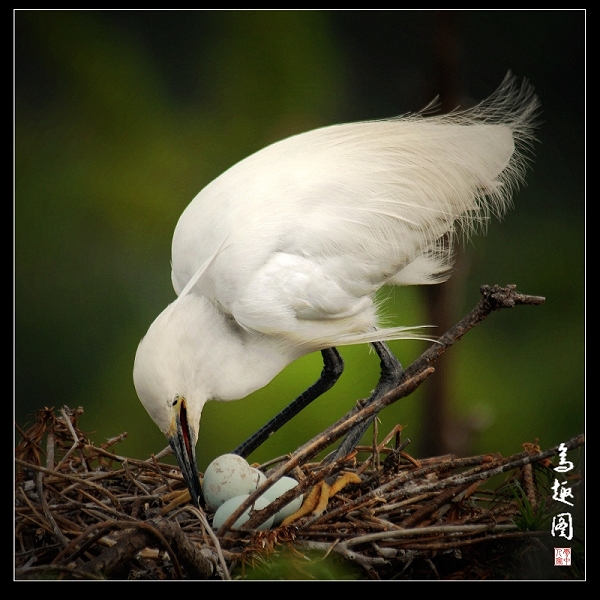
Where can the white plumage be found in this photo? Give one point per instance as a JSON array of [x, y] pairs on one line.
[[283, 253]]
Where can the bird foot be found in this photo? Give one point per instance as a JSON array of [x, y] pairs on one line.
[[316, 502]]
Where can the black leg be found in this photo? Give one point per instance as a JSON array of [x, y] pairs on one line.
[[391, 376], [332, 369]]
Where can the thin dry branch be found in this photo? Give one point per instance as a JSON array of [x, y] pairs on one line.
[[366, 525], [85, 512], [494, 298]]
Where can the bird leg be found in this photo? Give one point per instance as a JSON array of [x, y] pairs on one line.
[[391, 376], [332, 369], [316, 502]]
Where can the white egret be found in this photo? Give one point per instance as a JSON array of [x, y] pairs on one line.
[[283, 253]]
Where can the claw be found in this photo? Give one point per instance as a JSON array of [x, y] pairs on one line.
[[316, 502]]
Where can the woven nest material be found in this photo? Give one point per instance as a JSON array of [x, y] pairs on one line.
[[84, 512]]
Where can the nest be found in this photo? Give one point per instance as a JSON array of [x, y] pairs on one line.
[[84, 512]]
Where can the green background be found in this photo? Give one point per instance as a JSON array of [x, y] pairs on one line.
[[121, 117]]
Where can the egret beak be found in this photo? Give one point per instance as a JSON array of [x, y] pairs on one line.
[[184, 449]]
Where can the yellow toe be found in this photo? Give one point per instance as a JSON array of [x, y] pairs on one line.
[[316, 502]]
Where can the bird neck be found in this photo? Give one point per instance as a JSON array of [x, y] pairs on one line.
[[229, 361]]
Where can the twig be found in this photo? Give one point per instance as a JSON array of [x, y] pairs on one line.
[[133, 479], [260, 516], [493, 298], [342, 549], [50, 451], [402, 511], [387, 492], [47, 571], [454, 543], [73, 478], [449, 530], [164, 452], [215, 540], [40, 491], [431, 506], [39, 521], [476, 474], [76, 439], [111, 561]]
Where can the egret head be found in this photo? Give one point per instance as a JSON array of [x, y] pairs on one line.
[[164, 380]]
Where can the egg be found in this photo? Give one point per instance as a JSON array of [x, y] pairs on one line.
[[279, 488], [229, 480], [229, 476], [227, 508]]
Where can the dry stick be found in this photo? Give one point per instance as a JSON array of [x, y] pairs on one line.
[[200, 515], [45, 571], [466, 478], [40, 491], [143, 464], [82, 542], [73, 478], [40, 521], [76, 440], [365, 499], [112, 558], [432, 505], [367, 562], [312, 479], [150, 463], [133, 479], [478, 474], [450, 530], [343, 548], [50, 450], [455, 543], [529, 485], [493, 298], [140, 535], [103, 507], [385, 491], [390, 507], [312, 448]]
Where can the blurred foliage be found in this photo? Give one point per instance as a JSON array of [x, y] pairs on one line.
[[121, 117], [289, 563]]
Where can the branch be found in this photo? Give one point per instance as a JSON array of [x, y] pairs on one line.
[[113, 563], [494, 298]]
